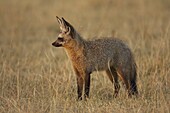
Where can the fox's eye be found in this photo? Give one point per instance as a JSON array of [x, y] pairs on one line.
[[61, 39]]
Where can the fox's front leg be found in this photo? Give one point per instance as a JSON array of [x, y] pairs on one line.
[[79, 87], [87, 85], [80, 82]]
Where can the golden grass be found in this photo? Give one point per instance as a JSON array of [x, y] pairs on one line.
[[37, 78]]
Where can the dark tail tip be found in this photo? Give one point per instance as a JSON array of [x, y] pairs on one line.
[[133, 87]]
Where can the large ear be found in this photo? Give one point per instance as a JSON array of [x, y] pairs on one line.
[[67, 25], [69, 30], [65, 22], [59, 20]]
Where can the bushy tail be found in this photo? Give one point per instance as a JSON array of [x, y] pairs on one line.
[[133, 85]]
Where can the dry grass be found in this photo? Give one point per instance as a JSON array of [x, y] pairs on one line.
[[37, 78]]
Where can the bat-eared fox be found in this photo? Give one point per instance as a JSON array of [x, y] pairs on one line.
[[108, 54]]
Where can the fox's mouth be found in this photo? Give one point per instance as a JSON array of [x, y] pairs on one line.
[[56, 44]]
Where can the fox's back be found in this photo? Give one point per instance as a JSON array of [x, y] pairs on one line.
[[103, 52]]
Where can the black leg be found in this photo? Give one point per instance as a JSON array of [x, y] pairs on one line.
[[113, 76], [80, 83], [79, 87], [87, 86]]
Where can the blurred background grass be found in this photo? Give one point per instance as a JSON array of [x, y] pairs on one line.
[[36, 78]]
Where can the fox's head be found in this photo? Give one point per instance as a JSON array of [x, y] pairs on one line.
[[66, 35]]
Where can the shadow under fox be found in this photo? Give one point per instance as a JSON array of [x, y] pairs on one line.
[[110, 54]]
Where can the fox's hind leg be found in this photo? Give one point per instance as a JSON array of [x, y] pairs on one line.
[[113, 76], [124, 75]]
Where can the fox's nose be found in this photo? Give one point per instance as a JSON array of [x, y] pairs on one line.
[[56, 44], [53, 43]]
